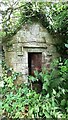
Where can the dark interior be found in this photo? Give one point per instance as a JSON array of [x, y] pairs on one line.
[[34, 62]]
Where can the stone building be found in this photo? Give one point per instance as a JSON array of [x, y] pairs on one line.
[[30, 49]]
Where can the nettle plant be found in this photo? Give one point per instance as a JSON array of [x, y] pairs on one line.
[[22, 101]]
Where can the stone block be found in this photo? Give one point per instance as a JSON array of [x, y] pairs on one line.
[[10, 57], [31, 38], [20, 53], [52, 49], [20, 80], [10, 49]]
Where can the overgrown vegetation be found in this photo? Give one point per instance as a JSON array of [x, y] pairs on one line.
[[21, 101], [53, 16]]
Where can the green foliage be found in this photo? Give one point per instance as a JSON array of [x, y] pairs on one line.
[[53, 16], [66, 45], [20, 101], [59, 17]]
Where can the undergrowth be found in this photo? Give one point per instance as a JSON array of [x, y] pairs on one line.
[[22, 101]]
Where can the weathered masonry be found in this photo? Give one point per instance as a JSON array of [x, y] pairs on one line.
[[30, 49]]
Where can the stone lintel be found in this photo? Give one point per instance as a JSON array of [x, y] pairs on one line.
[[35, 45]]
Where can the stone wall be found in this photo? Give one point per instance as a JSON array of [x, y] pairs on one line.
[[30, 38]]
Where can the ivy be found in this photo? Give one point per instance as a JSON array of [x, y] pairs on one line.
[[21, 101], [52, 16]]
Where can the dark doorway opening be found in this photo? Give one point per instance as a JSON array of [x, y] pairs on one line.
[[34, 62]]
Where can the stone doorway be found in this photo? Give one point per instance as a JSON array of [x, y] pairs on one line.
[[34, 62]]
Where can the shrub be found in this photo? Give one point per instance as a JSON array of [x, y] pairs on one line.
[[21, 101]]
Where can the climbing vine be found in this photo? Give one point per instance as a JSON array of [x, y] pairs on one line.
[[52, 15]]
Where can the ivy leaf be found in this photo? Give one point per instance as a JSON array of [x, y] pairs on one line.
[[1, 83], [31, 111], [63, 102], [47, 96], [1, 104], [66, 45], [17, 115], [54, 92], [45, 87], [37, 109], [47, 115]]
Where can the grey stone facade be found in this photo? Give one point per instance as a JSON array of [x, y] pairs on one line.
[[30, 38]]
